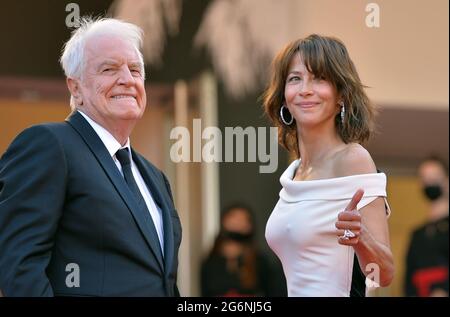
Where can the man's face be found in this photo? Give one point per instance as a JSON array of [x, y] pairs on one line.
[[112, 84]]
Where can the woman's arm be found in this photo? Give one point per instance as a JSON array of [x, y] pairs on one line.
[[369, 224], [371, 241], [373, 246]]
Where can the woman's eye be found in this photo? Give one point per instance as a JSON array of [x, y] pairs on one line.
[[294, 78]]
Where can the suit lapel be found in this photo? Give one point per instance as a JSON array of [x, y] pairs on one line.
[[151, 179], [97, 147]]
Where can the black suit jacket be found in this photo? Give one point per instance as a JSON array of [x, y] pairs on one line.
[[62, 201]]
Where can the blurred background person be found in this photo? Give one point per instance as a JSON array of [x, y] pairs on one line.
[[427, 258], [235, 266]]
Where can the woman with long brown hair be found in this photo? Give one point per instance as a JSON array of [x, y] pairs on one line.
[[329, 227]]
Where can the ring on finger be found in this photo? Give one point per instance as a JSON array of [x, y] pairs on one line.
[[348, 234]]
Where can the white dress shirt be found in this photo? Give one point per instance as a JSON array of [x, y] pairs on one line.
[[112, 145]]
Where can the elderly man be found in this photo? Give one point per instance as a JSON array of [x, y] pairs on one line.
[[82, 213]]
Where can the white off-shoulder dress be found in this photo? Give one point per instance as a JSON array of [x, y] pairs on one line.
[[301, 231]]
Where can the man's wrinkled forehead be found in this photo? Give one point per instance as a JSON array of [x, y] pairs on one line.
[[111, 49]]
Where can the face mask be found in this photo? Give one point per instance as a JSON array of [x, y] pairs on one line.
[[432, 192], [238, 236]]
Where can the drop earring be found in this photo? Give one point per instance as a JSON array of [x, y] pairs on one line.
[[342, 111]]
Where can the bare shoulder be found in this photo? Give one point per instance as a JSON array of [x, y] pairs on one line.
[[354, 159]]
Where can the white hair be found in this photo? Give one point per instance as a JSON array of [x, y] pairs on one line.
[[72, 57]]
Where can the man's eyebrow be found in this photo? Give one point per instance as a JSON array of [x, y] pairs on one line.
[[107, 63], [114, 63], [135, 64]]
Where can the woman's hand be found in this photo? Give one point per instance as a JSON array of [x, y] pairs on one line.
[[348, 224]]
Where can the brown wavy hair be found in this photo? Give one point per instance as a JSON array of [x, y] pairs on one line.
[[325, 57]]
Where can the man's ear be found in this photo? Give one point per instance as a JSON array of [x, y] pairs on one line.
[[74, 88]]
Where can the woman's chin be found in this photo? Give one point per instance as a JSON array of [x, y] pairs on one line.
[[306, 123]]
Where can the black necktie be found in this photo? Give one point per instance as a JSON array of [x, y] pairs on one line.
[[124, 158]]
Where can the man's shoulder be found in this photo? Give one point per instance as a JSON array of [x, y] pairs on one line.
[[54, 126], [42, 137], [43, 129], [37, 141]]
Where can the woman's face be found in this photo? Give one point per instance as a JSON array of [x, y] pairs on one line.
[[238, 220], [312, 101]]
